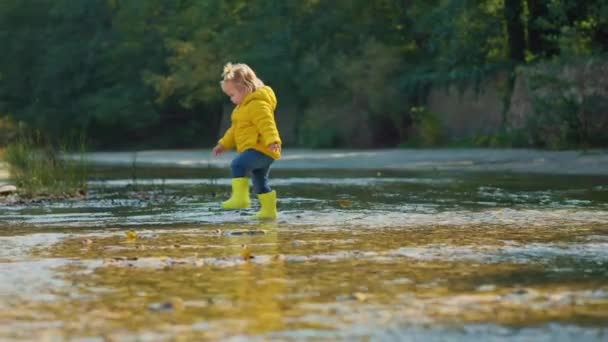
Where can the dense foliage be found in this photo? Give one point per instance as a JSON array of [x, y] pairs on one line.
[[134, 73]]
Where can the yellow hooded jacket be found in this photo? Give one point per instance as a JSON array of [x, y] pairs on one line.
[[253, 125]]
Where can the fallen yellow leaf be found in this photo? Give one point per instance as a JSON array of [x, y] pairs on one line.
[[345, 203], [360, 296], [131, 235], [246, 252]]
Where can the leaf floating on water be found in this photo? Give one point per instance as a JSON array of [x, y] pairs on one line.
[[246, 253], [360, 296], [344, 203], [178, 303], [198, 262], [131, 235]]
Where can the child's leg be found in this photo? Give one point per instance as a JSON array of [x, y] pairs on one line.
[[248, 161], [267, 197], [268, 203], [259, 165], [260, 180], [240, 166]]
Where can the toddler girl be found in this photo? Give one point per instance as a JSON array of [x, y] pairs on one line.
[[254, 134]]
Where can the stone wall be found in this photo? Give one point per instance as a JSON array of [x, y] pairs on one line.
[[466, 111], [585, 83]]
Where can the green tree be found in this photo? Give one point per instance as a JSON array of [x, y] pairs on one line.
[[140, 71]]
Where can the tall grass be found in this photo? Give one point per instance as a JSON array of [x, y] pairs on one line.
[[38, 168]]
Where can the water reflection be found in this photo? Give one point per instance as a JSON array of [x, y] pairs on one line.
[[501, 258]]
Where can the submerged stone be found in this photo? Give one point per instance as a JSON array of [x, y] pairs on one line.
[[6, 190]]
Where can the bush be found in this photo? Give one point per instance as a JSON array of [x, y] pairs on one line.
[[427, 129], [8, 130], [39, 170]]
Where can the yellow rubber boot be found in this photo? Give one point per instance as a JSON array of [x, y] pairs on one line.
[[268, 206], [240, 194]]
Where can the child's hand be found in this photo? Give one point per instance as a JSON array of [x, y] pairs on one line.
[[275, 147], [218, 149]]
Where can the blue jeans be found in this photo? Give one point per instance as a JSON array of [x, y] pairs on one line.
[[258, 164]]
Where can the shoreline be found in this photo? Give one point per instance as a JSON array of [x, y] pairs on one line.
[[594, 162]]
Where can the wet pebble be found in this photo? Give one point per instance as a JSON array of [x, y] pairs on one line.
[[244, 232], [520, 294], [126, 258], [360, 296], [486, 287], [174, 304]]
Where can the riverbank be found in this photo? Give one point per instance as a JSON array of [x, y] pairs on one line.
[[4, 175], [593, 162]]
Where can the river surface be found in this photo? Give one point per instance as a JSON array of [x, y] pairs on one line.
[[365, 250]]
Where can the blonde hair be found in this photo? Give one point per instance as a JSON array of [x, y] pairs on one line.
[[242, 75]]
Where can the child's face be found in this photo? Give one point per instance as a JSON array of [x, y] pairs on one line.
[[236, 93]]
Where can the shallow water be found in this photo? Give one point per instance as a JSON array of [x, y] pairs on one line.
[[384, 255]]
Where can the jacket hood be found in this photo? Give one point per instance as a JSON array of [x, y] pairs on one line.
[[265, 94]]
